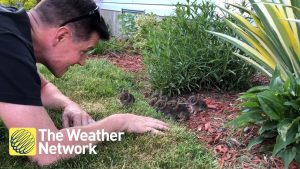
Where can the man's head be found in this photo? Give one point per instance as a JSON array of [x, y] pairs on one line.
[[64, 30]]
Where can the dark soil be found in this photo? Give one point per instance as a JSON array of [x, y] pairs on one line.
[[209, 126]]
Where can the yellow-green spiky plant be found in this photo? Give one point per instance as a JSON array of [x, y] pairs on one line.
[[272, 38]]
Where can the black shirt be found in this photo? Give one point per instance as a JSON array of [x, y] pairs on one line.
[[19, 79]]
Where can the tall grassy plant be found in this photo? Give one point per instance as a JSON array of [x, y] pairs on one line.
[[270, 39], [181, 56]]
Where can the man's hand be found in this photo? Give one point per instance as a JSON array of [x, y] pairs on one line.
[[142, 124], [73, 115]]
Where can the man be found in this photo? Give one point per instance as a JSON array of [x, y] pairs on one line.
[[56, 33]]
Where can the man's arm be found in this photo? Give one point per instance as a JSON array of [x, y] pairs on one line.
[[21, 116], [52, 98]]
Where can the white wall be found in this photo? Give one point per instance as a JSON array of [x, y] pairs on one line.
[[110, 9], [159, 7]]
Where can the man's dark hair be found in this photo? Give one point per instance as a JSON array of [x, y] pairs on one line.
[[57, 12]]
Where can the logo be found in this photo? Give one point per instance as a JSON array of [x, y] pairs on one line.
[[22, 141]]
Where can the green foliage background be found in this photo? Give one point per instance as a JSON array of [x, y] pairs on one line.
[[181, 56], [27, 4]]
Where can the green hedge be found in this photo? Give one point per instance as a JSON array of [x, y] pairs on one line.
[[181, 56]]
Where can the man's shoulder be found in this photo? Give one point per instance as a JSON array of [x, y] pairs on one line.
[[14, 20], [12, 14], [15, 30], [18, 72], [8, 8]]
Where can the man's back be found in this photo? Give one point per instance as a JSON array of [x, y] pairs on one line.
[[19, 80]]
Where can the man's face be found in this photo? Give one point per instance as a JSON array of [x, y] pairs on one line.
[[68, 52]]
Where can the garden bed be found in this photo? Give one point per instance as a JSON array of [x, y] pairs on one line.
[[229, 146]]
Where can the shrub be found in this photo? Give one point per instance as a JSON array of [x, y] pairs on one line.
[[181, 56], [276, 110], [144, 23], [27, 4], [134, 27], [128, 24]]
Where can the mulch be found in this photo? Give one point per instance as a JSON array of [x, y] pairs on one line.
[[229, 145], [128, 63]]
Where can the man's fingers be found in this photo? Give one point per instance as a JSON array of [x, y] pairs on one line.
[[65, 120], [85, 120], [91, 121], [158, 121], [154, 131], [77, 120], [157, 126]]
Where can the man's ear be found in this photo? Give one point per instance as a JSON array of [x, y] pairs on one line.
[[62, 34]]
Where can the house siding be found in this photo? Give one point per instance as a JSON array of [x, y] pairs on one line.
[[110, 9]]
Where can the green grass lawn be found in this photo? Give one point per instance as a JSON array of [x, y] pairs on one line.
[[96, 87]]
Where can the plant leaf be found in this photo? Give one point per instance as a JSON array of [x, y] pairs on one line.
[[248, 96], [255, 141], [276, 82], [269, 134], [267, 126], [288, 156], [290, 137], [255, 64], [271, 104], [246, 118], [294, 104], [245, 47], [249, 104], [257, 89], [291, 84], [297, 157], [283, 128]]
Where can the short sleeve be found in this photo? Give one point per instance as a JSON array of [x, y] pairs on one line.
[[19, 80]]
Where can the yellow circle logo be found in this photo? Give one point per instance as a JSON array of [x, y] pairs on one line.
[[22, 141]]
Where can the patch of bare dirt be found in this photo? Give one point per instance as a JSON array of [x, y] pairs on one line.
[[260, 79], [128, 63]]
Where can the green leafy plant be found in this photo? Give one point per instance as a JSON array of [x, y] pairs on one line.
[[270, 39], [181, 56], [27, 4], [128, 24], [144, 23], [276, 110]]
